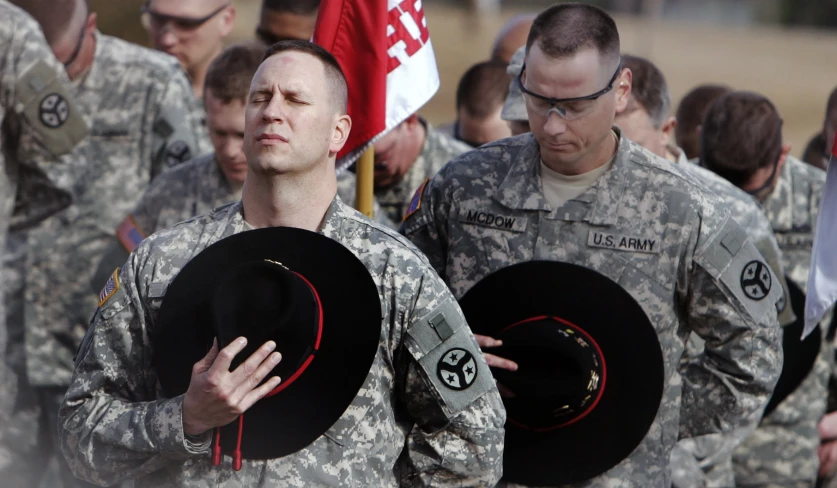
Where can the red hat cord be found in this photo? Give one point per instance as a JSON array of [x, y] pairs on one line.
[[216, 450]]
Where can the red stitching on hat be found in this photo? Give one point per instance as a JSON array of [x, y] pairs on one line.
[[604, 372]]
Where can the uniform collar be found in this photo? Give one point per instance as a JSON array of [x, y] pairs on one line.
[[234, 223], [522, 187], [779, 205]]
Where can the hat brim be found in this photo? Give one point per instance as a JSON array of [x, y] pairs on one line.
[[630, 349], [295, 417], [799, 354]]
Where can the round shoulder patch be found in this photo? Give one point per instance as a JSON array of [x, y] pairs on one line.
[[178, 152], [756, 280], [54, 110], [457, 369]]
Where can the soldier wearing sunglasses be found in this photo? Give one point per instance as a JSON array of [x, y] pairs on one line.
[[282, 20], [190, 30], [576, 190], [143, 119]]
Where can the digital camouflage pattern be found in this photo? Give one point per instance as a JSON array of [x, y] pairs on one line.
[[783, 450], [188, 190], [683, 258], [40, 131], [438, 149], [141, 110], [706, 461], [405, 428]]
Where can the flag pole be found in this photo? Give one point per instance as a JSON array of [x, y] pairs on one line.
[[364, 194]]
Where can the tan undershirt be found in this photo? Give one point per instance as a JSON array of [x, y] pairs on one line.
[[559, 188]]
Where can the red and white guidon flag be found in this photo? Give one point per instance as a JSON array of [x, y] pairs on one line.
[[384, 49]]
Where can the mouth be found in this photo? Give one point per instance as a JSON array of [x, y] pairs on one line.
[[271, 139]]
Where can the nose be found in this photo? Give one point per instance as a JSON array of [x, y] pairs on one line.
[[275, 110], [166, 39], [555, 125], [232, 148]]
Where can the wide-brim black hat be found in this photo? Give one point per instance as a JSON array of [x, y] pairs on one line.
[[800, 354], [306, 292], [590, 376]]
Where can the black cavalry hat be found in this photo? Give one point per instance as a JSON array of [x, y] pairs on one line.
[[800, 354], [590, 369], [304, 291]]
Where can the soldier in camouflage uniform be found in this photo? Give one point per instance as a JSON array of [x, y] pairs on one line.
[[405, 157], [405, 427], [40, 128], [635, 218], [212, 180], [140, 108], [704, 461], [742, 141]]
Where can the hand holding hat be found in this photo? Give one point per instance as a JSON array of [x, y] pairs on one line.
[[217, 396]]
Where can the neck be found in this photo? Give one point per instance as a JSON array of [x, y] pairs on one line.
[[597, 157], [289, 200], [86, 56], [197, 73]]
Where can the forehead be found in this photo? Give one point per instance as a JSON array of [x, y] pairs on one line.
[[577, 75], [185, 8], [293, 68]]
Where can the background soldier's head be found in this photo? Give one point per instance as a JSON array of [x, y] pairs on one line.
[[741, 140], [646, 118], [573, 84], [68, 27], [479, 101], [190, 30], [511, 37], [225, 96], [819, 148], [296, 120], [690, 114], [287, 19]]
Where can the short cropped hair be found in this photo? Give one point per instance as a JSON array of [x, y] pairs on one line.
[[690, 114], [334, 73], [566, 28], [742, 133], [52, 15], [482, 89], [230, 73], [649, 89], [298, 7]]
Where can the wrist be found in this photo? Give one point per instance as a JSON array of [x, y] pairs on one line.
[[191, 427]]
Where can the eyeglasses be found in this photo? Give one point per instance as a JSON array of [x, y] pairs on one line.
[[156, 20], [270, 38], [566, 108]]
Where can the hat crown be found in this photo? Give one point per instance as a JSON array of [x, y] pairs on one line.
[[262, 300]]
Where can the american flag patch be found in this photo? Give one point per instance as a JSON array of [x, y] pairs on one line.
[[110, 287], [415, 203], [129, 234]]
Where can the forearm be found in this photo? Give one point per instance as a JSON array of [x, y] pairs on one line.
[[107, 440], [468, 452]]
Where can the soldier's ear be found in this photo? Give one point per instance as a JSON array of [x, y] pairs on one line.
[[623, 89], [340, 134]]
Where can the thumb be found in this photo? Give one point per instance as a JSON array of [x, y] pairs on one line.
[[207, 361], [828, 426]]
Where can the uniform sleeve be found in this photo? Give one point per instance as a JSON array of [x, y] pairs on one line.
[[731, 305], [458, 436], [424, 222], [178, 133], [42, 127], [111, 426]]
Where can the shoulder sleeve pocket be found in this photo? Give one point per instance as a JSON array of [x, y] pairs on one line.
[[449, 358], [50, 110]]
